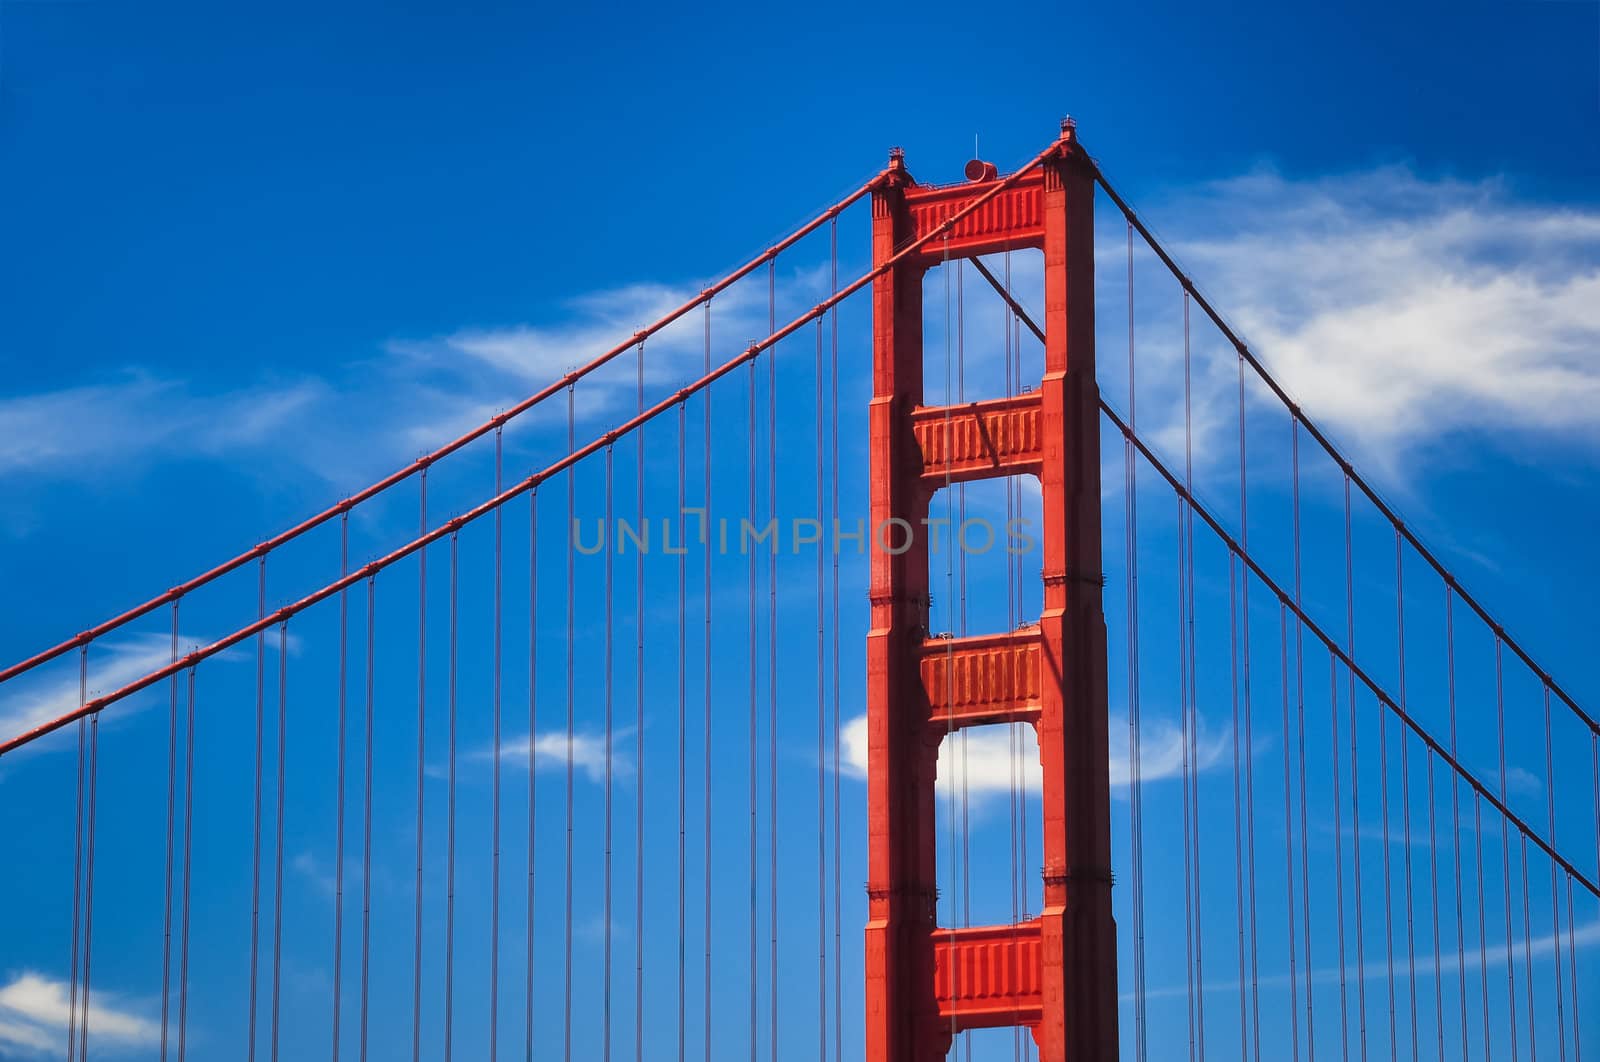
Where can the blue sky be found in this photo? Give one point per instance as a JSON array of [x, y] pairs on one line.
[[258, 259]]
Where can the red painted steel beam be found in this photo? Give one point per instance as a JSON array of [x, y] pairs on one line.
[[979, 440]]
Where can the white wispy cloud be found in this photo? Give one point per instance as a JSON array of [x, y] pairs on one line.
[[138, 416], [480, 370], [1400, 310], [550, 750], [35, 1010], [1583, 937], [115, 662], [986, 761]]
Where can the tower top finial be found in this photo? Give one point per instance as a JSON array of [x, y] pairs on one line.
[[897, 157], [1069, 126]]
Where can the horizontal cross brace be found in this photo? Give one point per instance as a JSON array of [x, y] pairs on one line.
[[991, 678], [978, 440], [1011, 220], [988, 976]]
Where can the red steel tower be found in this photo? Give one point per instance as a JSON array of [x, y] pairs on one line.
[[1055, 974]]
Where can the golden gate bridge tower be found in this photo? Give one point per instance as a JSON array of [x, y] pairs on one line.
[[1056, 974]]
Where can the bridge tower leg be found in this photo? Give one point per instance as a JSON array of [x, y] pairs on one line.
[[1055, 974]]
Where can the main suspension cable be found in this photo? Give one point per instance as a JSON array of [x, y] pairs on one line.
[[421, 464], [562, 464], [1300, 417], [1331, 645]]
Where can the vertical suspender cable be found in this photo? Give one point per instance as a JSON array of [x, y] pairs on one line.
[[566, 980], [1355, 770], [683, 704], [188, 849], [172, 801], [166, 903], [1388, 878], [751, 619], [77, 868], [339, 785], [1433, 884], [1405, 791], [1194, 692], [1432, 878], [833, 601], [1505, 843], [366, 811], [772, 658], [1238, 803], [1483, 950], [1527, 954], [1135, 789], [822, 723], [450, 802], [1189, 927], [1187, 706], [605, 1031], [422, 733], [1288, 826], [961, 626], [1023, 735], [1338, 812], [1249, 736], [1555, 898], [532, 752], [494, 813], [1455, 815], [1338, 853], [1013, 735], [638, 731], [950, 592], [88, 891], [255, 846], [1572, 964], [1300, 729], [1483, 934], [77, 888], [705, 538], [277, 861]]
